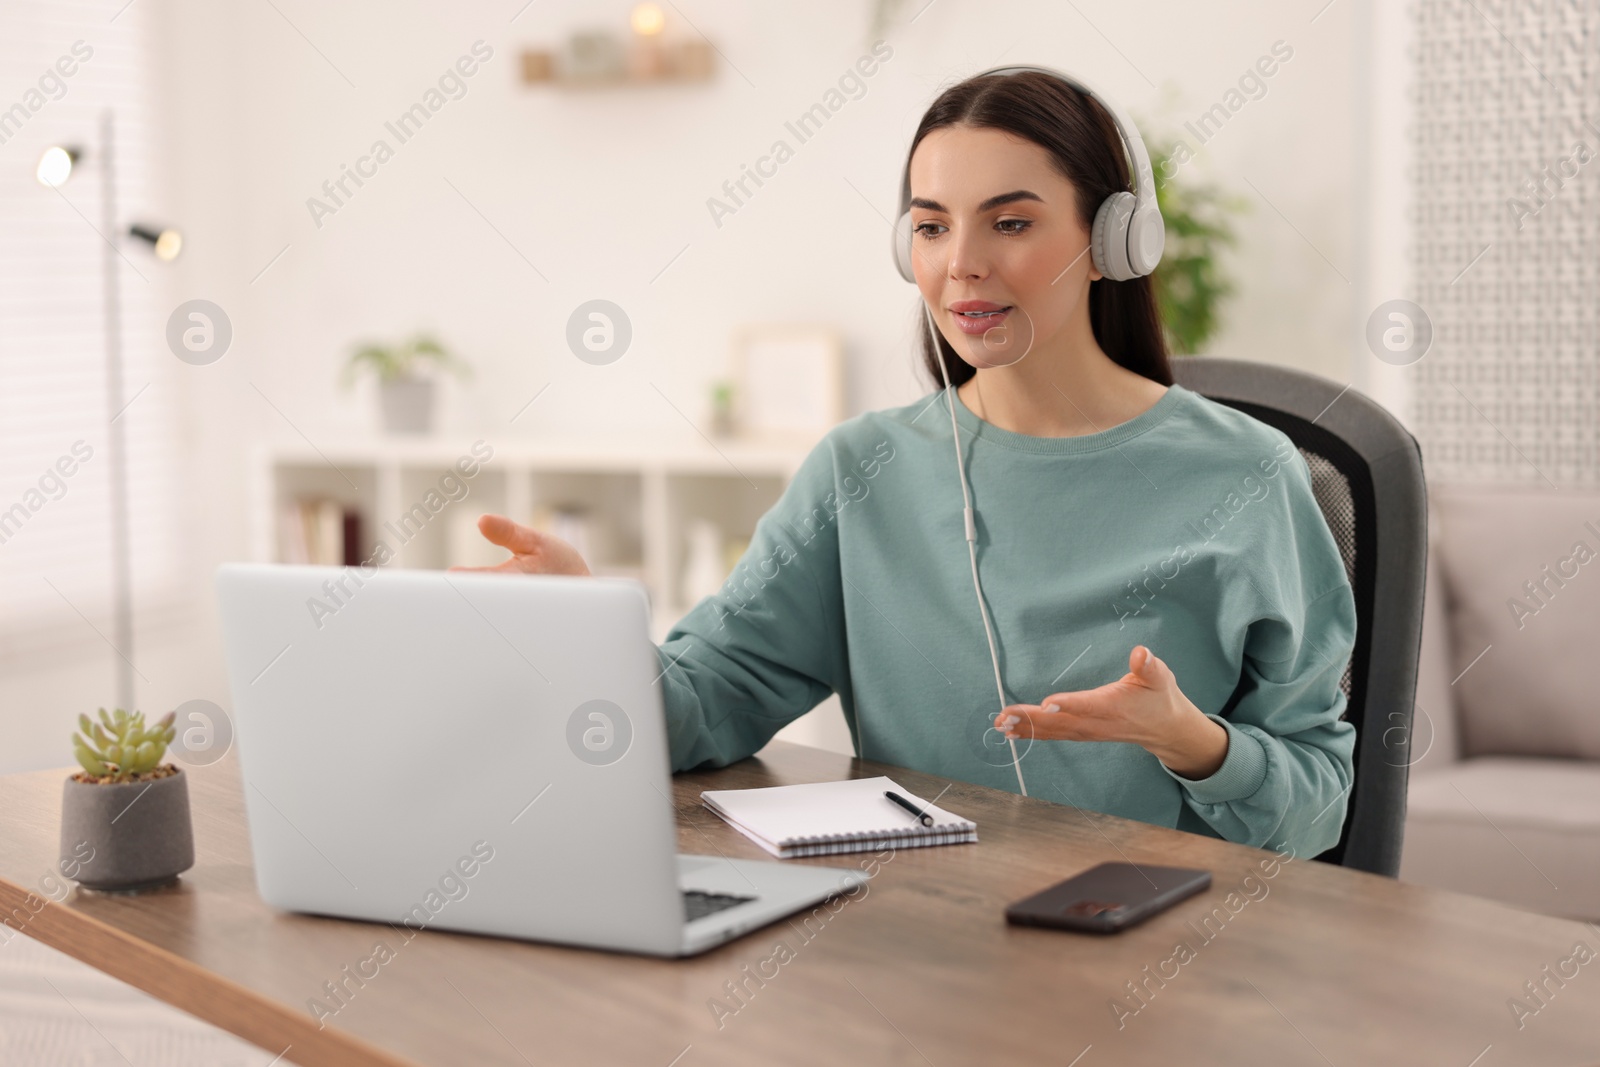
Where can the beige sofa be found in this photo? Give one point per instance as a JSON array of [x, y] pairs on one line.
[[1504, 796]]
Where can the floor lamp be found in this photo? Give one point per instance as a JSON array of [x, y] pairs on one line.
[[56, 166]]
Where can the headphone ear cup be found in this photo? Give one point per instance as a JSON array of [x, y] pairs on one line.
[[1109, 236], [901, 239], [1147, 239]]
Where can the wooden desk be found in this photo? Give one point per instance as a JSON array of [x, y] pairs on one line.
[[1314, 965]]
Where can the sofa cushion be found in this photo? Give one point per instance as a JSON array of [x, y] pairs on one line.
[[1522, 576], [1515, 829]]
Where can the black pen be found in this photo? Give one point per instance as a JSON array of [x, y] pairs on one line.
[[926, 819]]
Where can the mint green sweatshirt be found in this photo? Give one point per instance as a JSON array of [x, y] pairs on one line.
[[1191, 529]]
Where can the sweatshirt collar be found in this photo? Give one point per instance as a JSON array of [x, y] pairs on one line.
[[1108, 437]]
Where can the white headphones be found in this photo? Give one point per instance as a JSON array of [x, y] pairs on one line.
[[1127, 238], [1128, 235]]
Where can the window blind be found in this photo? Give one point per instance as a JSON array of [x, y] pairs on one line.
[[63, 65]]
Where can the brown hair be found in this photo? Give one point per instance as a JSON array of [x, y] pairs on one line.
[[1085, 147]]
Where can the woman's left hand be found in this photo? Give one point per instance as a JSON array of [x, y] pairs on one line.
[[1144, 707]]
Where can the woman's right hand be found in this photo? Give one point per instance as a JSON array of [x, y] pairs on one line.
[[532, 552]]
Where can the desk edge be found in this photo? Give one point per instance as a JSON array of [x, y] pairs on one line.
[[187, 986]]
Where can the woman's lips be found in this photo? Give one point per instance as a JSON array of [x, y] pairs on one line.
[[976, 317]]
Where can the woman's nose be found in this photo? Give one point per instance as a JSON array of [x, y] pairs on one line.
[[967, 257]]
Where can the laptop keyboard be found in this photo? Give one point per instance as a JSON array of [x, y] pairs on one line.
[[698, 904]]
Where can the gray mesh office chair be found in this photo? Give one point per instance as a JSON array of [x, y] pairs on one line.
[[1366, 471]]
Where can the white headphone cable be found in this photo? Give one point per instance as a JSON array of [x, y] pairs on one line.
[[972, 535]]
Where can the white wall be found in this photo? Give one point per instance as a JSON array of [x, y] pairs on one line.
[[601, 190]]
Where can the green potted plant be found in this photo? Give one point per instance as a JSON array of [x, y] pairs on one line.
[[405, 387], [126, 810], [1191, 283]]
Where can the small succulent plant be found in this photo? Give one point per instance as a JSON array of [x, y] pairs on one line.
[[120, 745]]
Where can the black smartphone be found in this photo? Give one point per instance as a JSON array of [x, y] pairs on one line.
[[1108, 898]]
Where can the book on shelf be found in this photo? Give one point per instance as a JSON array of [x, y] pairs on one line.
[[318, 530]]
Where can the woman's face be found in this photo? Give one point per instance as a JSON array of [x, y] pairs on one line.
[[998, 251]]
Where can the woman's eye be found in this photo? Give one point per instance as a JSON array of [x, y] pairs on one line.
[[1007, 227]]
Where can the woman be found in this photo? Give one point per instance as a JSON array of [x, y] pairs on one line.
[[1171, 614]]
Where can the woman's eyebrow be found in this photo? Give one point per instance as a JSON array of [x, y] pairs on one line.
[[987, 205]]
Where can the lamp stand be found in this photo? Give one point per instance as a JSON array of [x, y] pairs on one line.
[[121, 563]]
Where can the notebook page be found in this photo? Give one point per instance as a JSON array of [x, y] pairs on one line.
[[786, 813]]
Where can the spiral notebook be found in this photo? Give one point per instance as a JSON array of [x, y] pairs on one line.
[[825, 818]]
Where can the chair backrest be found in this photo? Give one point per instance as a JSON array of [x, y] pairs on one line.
[[1366, 471]]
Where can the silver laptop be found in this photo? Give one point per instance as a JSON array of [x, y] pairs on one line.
[[476, 752]]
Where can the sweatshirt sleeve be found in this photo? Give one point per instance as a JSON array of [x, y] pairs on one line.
[[1286, 778], [769, 645]]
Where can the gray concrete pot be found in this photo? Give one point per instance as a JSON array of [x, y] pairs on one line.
[[407, 405], [126, 835]]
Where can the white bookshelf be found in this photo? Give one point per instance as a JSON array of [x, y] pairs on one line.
[[640, 497], [644, 493]]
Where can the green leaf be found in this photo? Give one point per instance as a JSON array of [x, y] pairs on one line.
[[392, 362], [88, 761], [385, 362], [1191, 284], [84, 724]]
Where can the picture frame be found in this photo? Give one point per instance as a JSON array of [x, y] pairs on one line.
[[788, 380]]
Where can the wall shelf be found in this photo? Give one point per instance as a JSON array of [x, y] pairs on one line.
[[600, 57]]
